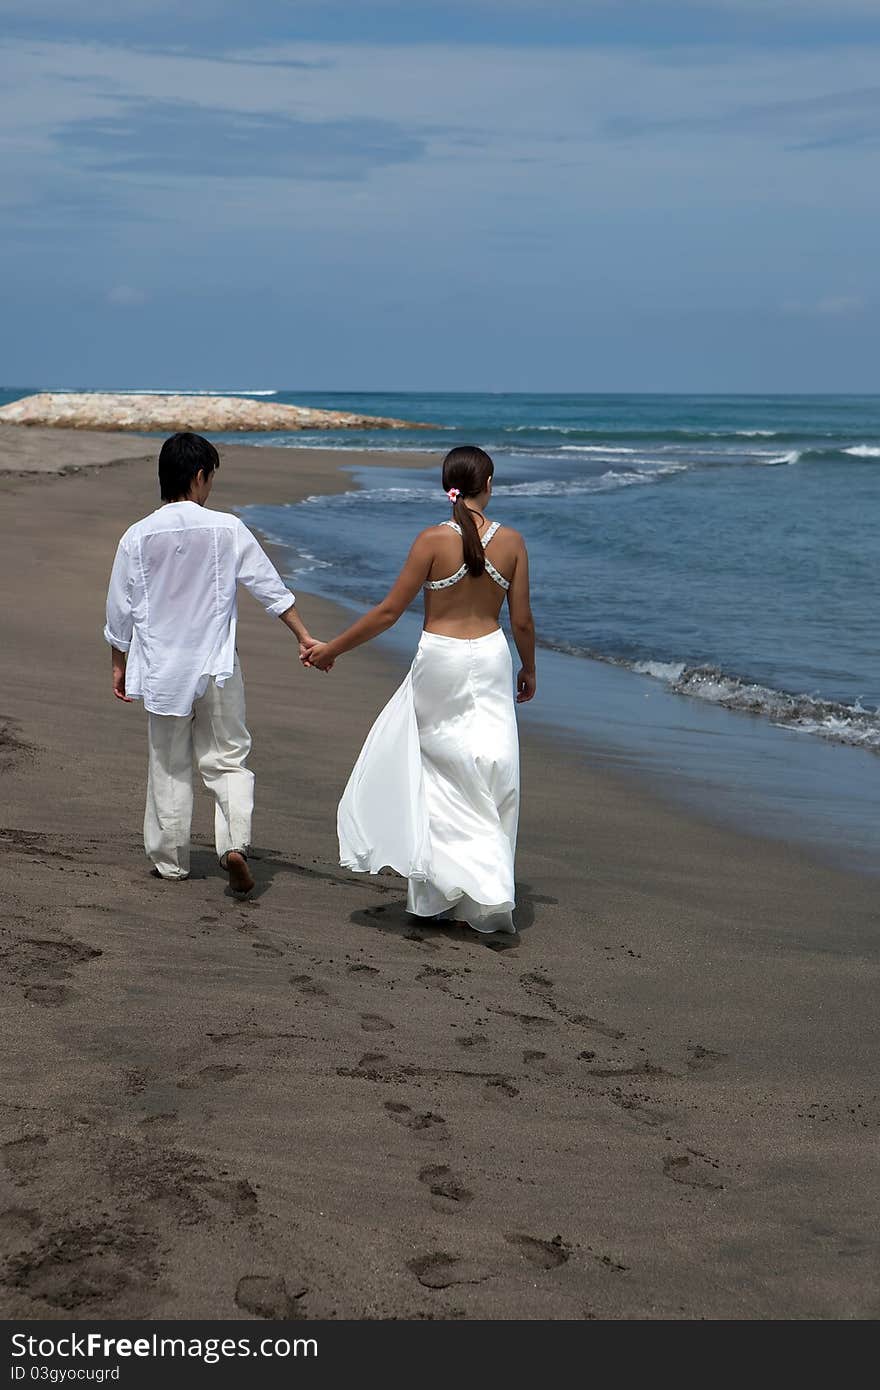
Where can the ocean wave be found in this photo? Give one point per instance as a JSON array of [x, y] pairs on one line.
[[536, 487], [672, 434], [660, 670], [309, 562], [174, 391], [379, 494], [804, 714], [793, 456], [854, 725], [864, 451], [608, 481], [594, 449]]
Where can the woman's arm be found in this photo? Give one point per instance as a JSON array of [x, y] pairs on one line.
[[408, 583], [522, 625]]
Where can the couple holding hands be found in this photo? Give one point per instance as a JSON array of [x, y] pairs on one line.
[[434, 793]]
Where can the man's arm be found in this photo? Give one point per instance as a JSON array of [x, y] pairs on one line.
[[291, 619], [119, 623], [257, 573]]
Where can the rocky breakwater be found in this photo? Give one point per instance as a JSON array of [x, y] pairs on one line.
[[101, 410]]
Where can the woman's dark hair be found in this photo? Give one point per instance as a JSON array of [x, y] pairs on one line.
[[469, 469], [180, 460]]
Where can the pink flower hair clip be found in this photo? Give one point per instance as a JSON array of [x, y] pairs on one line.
[[453, 494]]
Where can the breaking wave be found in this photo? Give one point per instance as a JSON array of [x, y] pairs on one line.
[[855, 725], [805, 714]]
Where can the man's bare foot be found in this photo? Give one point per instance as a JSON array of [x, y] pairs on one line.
[[241, 880]]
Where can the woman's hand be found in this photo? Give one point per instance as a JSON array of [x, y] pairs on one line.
[[526, 685], [306, 642], [320, 656]]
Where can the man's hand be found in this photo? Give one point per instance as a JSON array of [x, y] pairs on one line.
[[306, 642], [526, 685], [119, 659], [320, 656]]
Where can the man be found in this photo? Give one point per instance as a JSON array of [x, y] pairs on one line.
[[171, 622]]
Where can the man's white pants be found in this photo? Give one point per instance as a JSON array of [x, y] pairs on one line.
[[215, 733]]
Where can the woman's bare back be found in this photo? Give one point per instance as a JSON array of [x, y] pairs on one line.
[[470, 608]]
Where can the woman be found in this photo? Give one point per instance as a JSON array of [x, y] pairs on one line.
[[435, 791]]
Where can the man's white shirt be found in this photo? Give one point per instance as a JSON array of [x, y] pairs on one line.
[[172, 603]]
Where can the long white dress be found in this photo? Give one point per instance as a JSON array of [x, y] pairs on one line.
[[434, 793]]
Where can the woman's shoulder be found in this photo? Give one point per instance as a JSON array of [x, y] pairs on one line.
[[436, 532], [427, 541], [513, 536]]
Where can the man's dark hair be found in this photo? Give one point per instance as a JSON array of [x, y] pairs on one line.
[[180, 459]]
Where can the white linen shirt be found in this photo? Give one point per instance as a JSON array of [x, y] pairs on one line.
[[172, 604]]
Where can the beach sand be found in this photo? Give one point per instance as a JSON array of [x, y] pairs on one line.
[[659, 1102]]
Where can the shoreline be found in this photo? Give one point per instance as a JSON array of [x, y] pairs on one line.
[[738, 769], [658, 1102]]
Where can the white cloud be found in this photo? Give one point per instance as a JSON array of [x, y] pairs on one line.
[[841, 304], [515, 180]]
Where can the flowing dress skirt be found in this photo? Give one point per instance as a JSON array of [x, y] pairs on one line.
[[435, 791]]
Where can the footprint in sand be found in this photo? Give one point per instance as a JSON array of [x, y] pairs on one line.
[[535, 983], [265, 948], [21, 1156], [217, 1071], [703, 1058], [86, 1267], [40, 966], [425, 1123], [445, 1187], [17, 1225], [358, 969], [548, 1065], [238, 1195], [692, 1172], [440, 1270], [543, 1254], [637, 1069], [530, 1023], [435, 977], [49, 996], [267, 1296], [375, 1023], [503, 1084], [473, 1040], [608, 1261], [161, 1120], [595, 1025], [420, 940], [306, 985]]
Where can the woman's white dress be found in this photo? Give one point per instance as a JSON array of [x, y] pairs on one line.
[[435, 791]]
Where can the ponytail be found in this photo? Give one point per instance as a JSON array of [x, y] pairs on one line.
[[474, 554], [468, 469]]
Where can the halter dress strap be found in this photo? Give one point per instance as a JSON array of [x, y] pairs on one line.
[[460, 573]]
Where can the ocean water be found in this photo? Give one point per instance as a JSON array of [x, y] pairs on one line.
[[726, 546], [708, 553]]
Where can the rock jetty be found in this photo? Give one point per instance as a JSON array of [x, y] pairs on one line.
[[104, 410]]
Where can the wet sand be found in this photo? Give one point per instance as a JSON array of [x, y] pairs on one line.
[[659, 1102]]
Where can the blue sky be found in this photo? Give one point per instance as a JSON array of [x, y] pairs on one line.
[[498, 195]]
